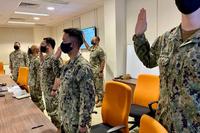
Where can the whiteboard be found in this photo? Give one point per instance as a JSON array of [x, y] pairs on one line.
[[134, 66]]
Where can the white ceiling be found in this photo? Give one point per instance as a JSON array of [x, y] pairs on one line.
[[62, 10]]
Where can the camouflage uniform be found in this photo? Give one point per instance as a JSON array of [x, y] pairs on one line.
[[48, 75], [179, 63], [17, 59], [77, 94], [34, 82], [97, 55]]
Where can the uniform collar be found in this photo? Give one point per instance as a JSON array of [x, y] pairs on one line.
[[176, 34], [49, 55], [195, 38], [176, 37], [95, 47], [17, 50], [72, 61]]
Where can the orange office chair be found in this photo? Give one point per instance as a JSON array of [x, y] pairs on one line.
[[2, 72], [22, 79], [150, 125], [146, 94], [115, 109]]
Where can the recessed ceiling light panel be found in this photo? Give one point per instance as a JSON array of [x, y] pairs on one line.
[[50, 8], [31, 13], [18, 22], [36, 18]]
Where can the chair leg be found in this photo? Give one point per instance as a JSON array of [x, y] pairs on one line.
[[133, 126], [135, 123]]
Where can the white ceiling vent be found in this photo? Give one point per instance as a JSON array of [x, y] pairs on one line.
[[28, 5], [17, 19], [40, 24], [63, 2]]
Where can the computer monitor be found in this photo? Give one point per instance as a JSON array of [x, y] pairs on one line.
[[89, 34]]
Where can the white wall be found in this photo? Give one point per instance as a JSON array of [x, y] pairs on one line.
[[9, 35], [26, 36], [88, 19], [39, 33], [29, 36], [162, 16], [168, 16], [115, 37], [110, 38]]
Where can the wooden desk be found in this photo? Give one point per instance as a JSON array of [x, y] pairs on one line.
[[19, 116], [130, 82], [7, 79]]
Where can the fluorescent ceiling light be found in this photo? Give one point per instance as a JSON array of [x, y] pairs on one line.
[[50, 8], [18, 22], [36, 18], [31, 13]]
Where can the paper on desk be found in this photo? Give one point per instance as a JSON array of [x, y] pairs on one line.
[[3, 88], [14, 88], [18, 93]]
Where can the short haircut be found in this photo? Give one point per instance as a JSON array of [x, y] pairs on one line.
[[17, 43], [98, 38], [31, 49], [76, 33], [50, 41]]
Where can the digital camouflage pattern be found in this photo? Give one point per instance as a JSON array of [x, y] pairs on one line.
[[17, 59], [34, 82], [179, 63], [77, 94], [97, 55], [48, 75]]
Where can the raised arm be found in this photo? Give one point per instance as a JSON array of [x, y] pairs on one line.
[[148, 55]]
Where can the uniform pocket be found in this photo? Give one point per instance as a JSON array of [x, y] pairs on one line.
[[163, 59]]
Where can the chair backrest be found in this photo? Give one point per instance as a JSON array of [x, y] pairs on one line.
[[1, 68], [150, 125], [116, 104], [22, 79], [147, 90]]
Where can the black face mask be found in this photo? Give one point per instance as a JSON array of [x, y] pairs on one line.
[[66, 47], [187, 6], [16, 47], [43, 49], [93, 43]]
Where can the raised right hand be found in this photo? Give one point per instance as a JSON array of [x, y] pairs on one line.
[[141, 25]]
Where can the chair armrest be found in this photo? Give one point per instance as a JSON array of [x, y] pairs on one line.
[[152, 111], [116, 128]]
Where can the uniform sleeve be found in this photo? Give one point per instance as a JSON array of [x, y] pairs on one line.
[[101, 55], [10, 61], [192, 76], [148, 55], [57, 66], [87, 95], [26, 61], [37, 70], [90, 48]]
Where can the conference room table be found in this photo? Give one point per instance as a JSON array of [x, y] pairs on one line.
[[21, 116]]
